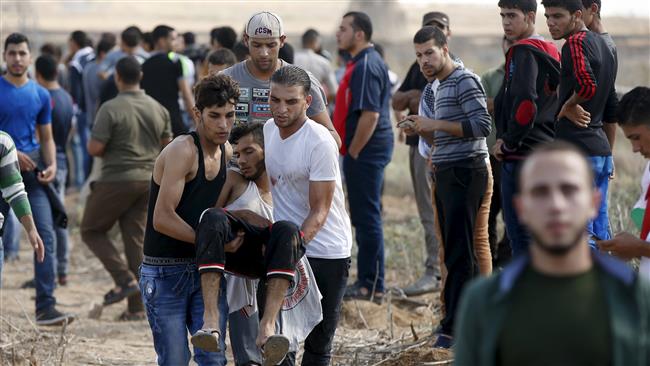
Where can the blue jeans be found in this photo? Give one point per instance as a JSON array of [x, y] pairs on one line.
[[517, 232], [62, 243], [603, 167], [44, 273], [173, 299], [364, 181], [80, 154], [11, 234]]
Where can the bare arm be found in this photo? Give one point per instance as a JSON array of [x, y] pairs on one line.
[[324, 119], [365, 128], [165, 219], [320, 201], [610, 131], [48, 150], [96, 148], [406, 99], [188, 99]]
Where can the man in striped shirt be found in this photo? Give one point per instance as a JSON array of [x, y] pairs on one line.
[[13, 191], [458, 122]]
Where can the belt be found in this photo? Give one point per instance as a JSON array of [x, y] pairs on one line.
[[158, 261]]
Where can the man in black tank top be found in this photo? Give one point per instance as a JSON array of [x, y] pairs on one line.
[[187, 178]]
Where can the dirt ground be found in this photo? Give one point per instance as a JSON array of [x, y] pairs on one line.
[[368, 333]]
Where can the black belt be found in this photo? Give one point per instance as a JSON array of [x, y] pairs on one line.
[[159, 261]]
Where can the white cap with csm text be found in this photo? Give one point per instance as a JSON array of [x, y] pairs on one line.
[[264, 25]]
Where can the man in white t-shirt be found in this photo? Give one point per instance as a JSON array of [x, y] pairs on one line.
[[634, 119], [302, 164]]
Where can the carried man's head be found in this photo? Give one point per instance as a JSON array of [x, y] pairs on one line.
[[214, 112], [289, 96], [557, 197], [248, 146], [264, 37], [634, 119], [431, 51]]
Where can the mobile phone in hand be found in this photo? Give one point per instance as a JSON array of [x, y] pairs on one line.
[[406, 123]]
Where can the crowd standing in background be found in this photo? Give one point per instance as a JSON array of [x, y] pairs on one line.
[[224, 166]]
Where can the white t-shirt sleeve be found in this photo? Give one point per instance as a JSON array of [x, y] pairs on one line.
[[323, 162]]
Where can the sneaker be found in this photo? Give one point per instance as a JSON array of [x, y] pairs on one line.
[[444, 342], [207, 340], [29, 284], [275, 350], [426, 284], [63, 280], [52, 316]]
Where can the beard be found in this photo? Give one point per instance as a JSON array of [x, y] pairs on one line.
[[555, 250], [260, 168], [14, 74]]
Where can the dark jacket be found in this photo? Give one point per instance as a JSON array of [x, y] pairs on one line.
[[484, 308], [527, 102]]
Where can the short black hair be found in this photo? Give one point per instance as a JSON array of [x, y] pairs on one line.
[[215, 90], [52, 50], [380, 50], [80, 38], [131, 36], [226, 36], [244, 129], [241, 51], [292, 76], [104, 46], [222, 56], [634, 107], [161, 31], [309, 37], [286, 53], [361, 22], [189, 38], [129, 70], [46, 66], [560, 146], [16, 38], [588, 3], [147, 38], [524, 5], [571, 5], [430, 32]]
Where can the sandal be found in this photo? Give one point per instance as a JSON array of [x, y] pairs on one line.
[[207, 340], [355, 292], [128, 316], [112, 296], [275, 350]]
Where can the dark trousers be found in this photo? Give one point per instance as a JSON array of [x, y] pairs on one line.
[[266, 252], [364, 181], [331, 277], [500, 250], [458, 194]]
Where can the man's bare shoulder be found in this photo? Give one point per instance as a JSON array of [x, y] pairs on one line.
[[181, 148]]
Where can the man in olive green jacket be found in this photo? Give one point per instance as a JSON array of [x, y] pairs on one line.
[[561, 304]]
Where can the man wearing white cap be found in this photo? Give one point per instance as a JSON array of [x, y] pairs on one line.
[[264, 36]]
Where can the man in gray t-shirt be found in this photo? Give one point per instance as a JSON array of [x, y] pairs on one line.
[[253, 104], [264, 37]]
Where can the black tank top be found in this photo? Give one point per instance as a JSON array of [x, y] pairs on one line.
[[198, 195]]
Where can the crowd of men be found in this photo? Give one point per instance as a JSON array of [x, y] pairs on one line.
[[225, 171]]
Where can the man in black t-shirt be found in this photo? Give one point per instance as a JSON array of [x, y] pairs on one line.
[[407, 97], [585, 96], [163, 77]]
